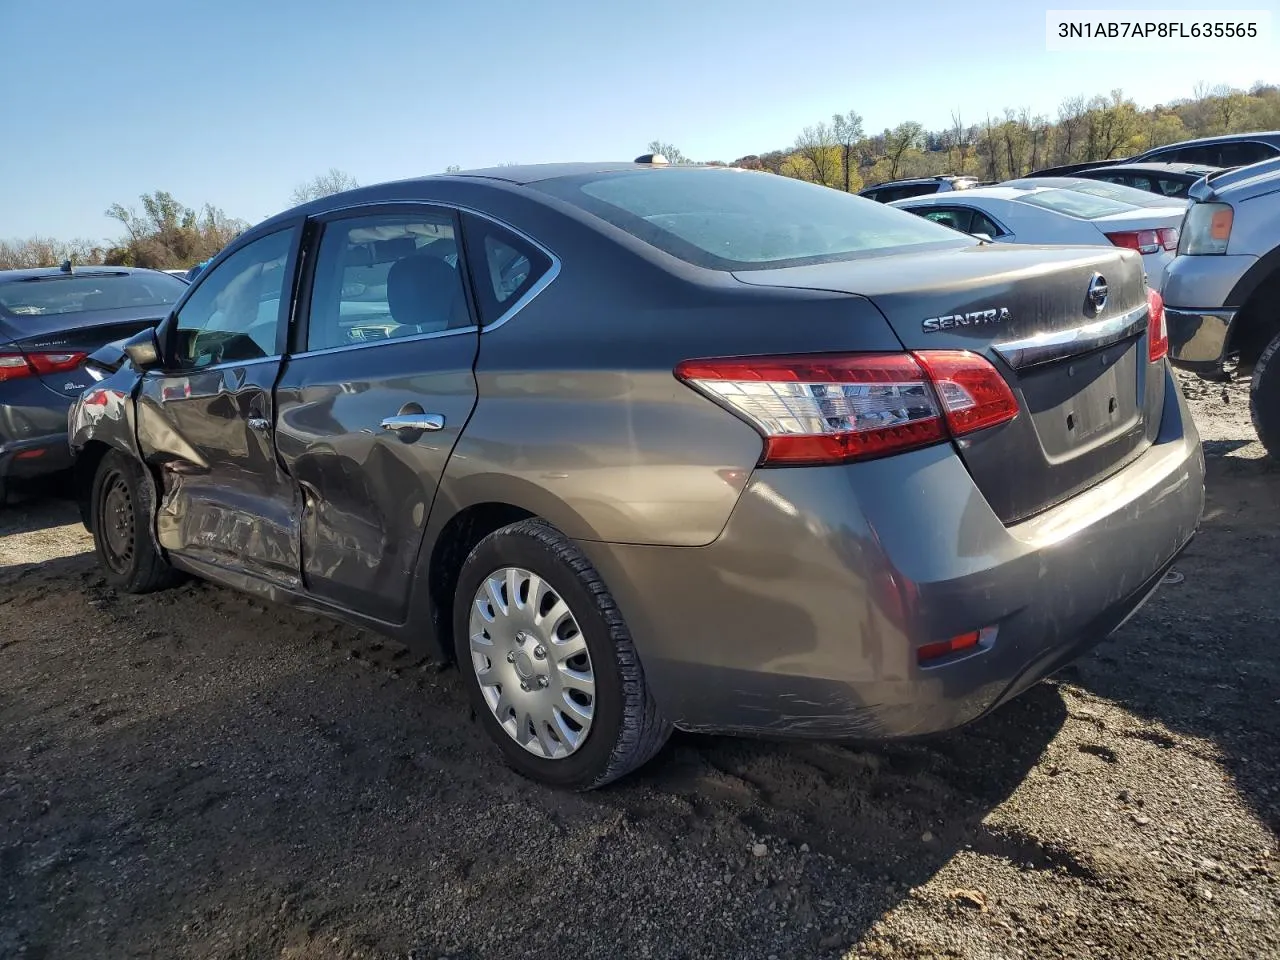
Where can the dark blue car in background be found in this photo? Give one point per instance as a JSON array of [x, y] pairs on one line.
[[51, 319]]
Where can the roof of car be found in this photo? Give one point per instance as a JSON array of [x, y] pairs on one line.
[[906, 180], [1268, 135], [993, 193], [95, 270], [1154, 166], [534, 172]]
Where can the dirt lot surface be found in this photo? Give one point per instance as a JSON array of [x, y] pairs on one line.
[[197, 774]]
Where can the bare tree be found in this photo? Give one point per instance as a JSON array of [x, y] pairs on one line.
[[322, 185], [903, 137], [669, 150], [961, 139], [1071, 124], [846, 130], [817, 146]]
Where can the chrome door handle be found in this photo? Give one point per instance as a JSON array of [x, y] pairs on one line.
[[259, 423], [414, 421]]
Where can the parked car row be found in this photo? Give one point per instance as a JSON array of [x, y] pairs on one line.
[[50, 320]]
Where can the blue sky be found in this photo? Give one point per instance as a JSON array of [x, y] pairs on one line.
[[235, 102]]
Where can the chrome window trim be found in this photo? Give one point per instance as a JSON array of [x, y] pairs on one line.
[[434, 335], [541, 284], [179, 372], [1060, 344]]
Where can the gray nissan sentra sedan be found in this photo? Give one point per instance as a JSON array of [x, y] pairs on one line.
[[645, 446]]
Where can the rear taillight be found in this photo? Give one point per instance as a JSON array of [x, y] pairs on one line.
[[828, 408], [1146, 241], [55, 362], [1157, 330], [14, 366]]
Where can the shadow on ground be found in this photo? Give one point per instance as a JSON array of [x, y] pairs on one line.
[[1203, 657], [195, 772]]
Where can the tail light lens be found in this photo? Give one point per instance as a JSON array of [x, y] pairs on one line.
[[822, 408], [1157, 330], [14, 366], [1206, 229], [44, 363], [1146, 241]]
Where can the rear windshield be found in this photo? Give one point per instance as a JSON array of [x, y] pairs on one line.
[[743, 220], [57, 295], [1124, 194], [1084, 206]]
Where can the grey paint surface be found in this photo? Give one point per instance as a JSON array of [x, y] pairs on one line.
[[780, 600], [1206, 293]]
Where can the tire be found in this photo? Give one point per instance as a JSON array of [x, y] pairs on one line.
[[121, 511], [624, 729], [1264, 398]]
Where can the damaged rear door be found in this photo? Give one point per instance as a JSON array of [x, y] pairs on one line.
[[206, 417], [373, 397]]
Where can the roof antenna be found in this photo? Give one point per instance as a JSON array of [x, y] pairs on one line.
[[66, 266], [651, 158]]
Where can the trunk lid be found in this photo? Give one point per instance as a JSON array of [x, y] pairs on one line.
[[73, 333], [1089, 400]]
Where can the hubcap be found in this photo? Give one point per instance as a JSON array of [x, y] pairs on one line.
[[116, 516], [531, 660]]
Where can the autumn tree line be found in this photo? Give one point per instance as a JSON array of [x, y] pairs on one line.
[[839, 153]]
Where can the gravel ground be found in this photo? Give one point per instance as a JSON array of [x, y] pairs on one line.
[[198, 774]]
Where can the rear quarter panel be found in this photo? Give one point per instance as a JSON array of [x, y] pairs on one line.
[[580, 418]]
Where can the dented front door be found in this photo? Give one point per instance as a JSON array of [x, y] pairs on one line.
[[206, 421], [372, 402]]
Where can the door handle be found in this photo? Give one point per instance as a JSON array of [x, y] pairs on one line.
[[414, 421], [261, 424]]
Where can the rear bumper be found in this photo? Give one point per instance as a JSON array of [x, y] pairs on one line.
[[34, 457], [33, 430], [1198, 338], [804, 617]]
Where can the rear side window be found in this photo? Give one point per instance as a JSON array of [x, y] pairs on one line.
[[1243, 154], [504, 266], [742, 220], [57, 295], [953, 217], [1073, 203]]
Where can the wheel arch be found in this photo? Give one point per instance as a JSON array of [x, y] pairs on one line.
[[1257, 321]]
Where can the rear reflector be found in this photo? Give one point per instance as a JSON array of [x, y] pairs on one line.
[[1157, 329], [944, 648], [29, 455], [14, 366], [833, 408]]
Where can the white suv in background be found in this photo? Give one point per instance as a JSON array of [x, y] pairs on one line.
[[1222, 290]]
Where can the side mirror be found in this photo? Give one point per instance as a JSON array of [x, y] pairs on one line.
[[143, 349]]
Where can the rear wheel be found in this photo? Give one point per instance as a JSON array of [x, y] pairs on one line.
[[548, 661], [1264, 398], [120, 507]]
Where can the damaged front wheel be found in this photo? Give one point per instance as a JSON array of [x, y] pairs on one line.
[[121, 522]]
